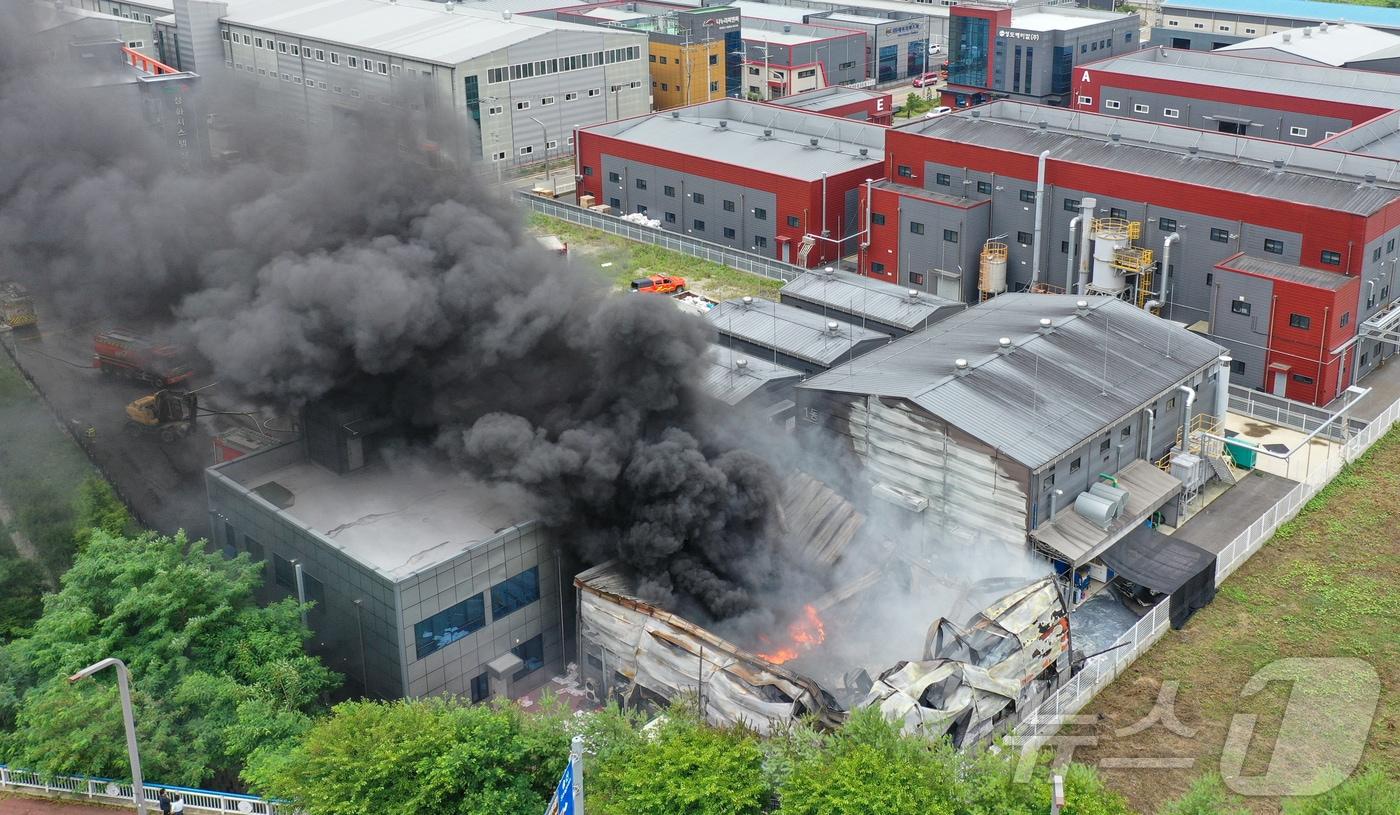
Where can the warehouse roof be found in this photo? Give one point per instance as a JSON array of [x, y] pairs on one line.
[[1292, 79], [872, 299], [790, 330], [1325, 44], [1051, 391], [1289, 272], [1062, 19], [732, 376], [1314, 176], [1379, 137], [832, 96], [932, 195], [1295, 10], [732, 131], [412, 28]]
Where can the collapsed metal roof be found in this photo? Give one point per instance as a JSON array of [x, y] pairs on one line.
[[862, 297], [1051, 390]]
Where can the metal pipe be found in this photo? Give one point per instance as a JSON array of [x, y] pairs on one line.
[[1039, 203], [1166, 266], [1151, 420], [1222, 390], [138, 787], [1186, 416], [869, 195], [1054, 503], [1086, 211], [824, 229], [1069, 255]]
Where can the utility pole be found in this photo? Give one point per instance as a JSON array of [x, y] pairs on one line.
[[138, 788]]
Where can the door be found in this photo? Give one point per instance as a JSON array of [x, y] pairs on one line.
[[1280, 387], [1236, 128]]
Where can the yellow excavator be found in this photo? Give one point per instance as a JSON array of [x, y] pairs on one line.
[[167, 414]]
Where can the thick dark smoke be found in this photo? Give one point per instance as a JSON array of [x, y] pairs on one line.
[[307, 266]]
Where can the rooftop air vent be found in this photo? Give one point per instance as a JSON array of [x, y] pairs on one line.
[[505, 14], [787, 29], [767, 134], [1193, 149], [829, 271], [1307, 32], [1115, 137], [1287, 37], [864, 152], [675, 114], [1004, 345], [1043, 124], [449, 7], [976, 114], [1370, 178], [1081, 307], [723, 125], [960, 366], [1046, 326], [1278, 164], [740, 364], [913, 294], [833, 327], [748, 300], [812, 142], [1322, 29]]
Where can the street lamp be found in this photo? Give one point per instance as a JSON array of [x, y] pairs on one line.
[[138, 790]]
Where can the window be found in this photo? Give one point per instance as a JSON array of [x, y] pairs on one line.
[[1240, 307], [615, 204], [877, 268], [1300, 321], [353, 62], [320, 55], [794, 221], [728, 205], [523, 105], [905, 171], [515, 593], [223, 31], [1115, 212], [281, 47], [1166, 224], [670, 217], [449, 625], [1064, 247], [697, 197], [368, 65], [1086, 100], [1302, 380], [1236, 366], [760, 214], [587, 170], [1390, 246], [546, 101], [1300, 132], [531, 653], [1126, 432], [1171, 113], [594, 91], [665, 86], [1028, 196], [571, 96], [1220, 235], [1171, 403], [1104, 445], [641, 183], [877, 218], [668, 191], [481, 687], [942, 179], [614, 178], [257, 42], [254, 549], [315, 591], [1112, 104], [729, 233], [663, 61], [1272, 246], [1023, 238], [1329, 257], [495, 110], [916, 278], [916, 228], [698, 225], [296, 51], [527, 150], [642, 209], [950, 235], [335, 58], [760, 242], [1376, 253], [1346, 318], [1075, 465], [1138, 108], [1071, 205], [984, 188], [283, 573]]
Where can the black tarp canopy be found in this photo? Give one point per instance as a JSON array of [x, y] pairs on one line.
[[1167, 565]]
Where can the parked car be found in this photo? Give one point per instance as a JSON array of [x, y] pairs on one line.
[[928, 79], [935, 49], [942, 110], [659, 284]]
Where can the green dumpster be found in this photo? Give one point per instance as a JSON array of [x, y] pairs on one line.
[[1243, 452]]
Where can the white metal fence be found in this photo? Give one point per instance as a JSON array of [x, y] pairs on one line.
[[733, 258], [1288, 413], [1043, 722], [107, 791]]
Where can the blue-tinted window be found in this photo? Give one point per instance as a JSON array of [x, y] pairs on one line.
[[515, 593], [914, 59], [969, 39], [449, 625], [531, 652], [888, 65], [481, 687], [283, 573]]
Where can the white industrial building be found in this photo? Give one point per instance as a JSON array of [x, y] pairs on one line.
[[526, 81]]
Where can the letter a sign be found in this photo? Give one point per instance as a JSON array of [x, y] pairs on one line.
[[1085, 77]]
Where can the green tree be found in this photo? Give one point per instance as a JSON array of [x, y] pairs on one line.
[[438, 755], [681, 766], [1367, 793], [214, 675]]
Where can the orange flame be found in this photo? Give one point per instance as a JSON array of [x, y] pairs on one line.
[[805, 633]]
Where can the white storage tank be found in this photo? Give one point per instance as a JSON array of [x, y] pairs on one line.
[[1110, 236], [991, 277]]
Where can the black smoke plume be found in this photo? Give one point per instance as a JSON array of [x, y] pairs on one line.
[[312, 263]]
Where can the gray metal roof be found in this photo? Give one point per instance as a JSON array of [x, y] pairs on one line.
[[832, 96], [872, 299], [1052, 391], [1224, 69], [931, 195], [696, 131], [410, 28], [1326, 44], [732, 383], [790, 330], [1318, 279], [1379, 137], [1313, 176]]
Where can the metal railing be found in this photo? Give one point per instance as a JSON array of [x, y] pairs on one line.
[[108, 791], [1288, 413], [1045, 720], [705, 250]]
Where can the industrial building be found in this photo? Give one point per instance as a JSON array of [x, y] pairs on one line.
[[1027, 53], [694, 54], [860, 104], [866, 301], [1203, 25], [1234, 93], [769, 180], [999, 198], [1338, 45], [789, 336], [422, 582], [989, 427], [739, 379], [525, 81], [781, 59]]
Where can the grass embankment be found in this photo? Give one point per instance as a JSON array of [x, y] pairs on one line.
[[629, 260], [1327, 585]]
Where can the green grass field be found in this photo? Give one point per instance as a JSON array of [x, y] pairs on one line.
[[621, 261], [1327, 585]]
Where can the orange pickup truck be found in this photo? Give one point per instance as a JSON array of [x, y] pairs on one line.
[[659, 284]]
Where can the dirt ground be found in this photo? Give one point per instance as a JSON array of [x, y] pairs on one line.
[[1327, 585], [21, 805]]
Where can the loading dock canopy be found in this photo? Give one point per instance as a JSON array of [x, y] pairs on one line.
[[1167, 565], [1077, 540]]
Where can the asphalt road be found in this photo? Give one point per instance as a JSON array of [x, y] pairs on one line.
[[162, 482]]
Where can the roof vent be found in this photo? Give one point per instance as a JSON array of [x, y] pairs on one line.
[[812, 142], [675, 114], [741, 363], [449, 7], [787, 29], [1287, 37], [913, 294], [1278, 164], [748, 300], [1193, 149], [1370, 178], [1046, 326], [1322, 29], [864, 152], [1115, 137], [1043, 124], [767, 134], [960, 366], [833, 327], [976, 114], [1081, 307], [829, 271], [1004, 345], [505, 14], [1307, 32]]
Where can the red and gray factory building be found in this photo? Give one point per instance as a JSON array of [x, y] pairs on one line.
[[1281, 252], [774, 181]]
